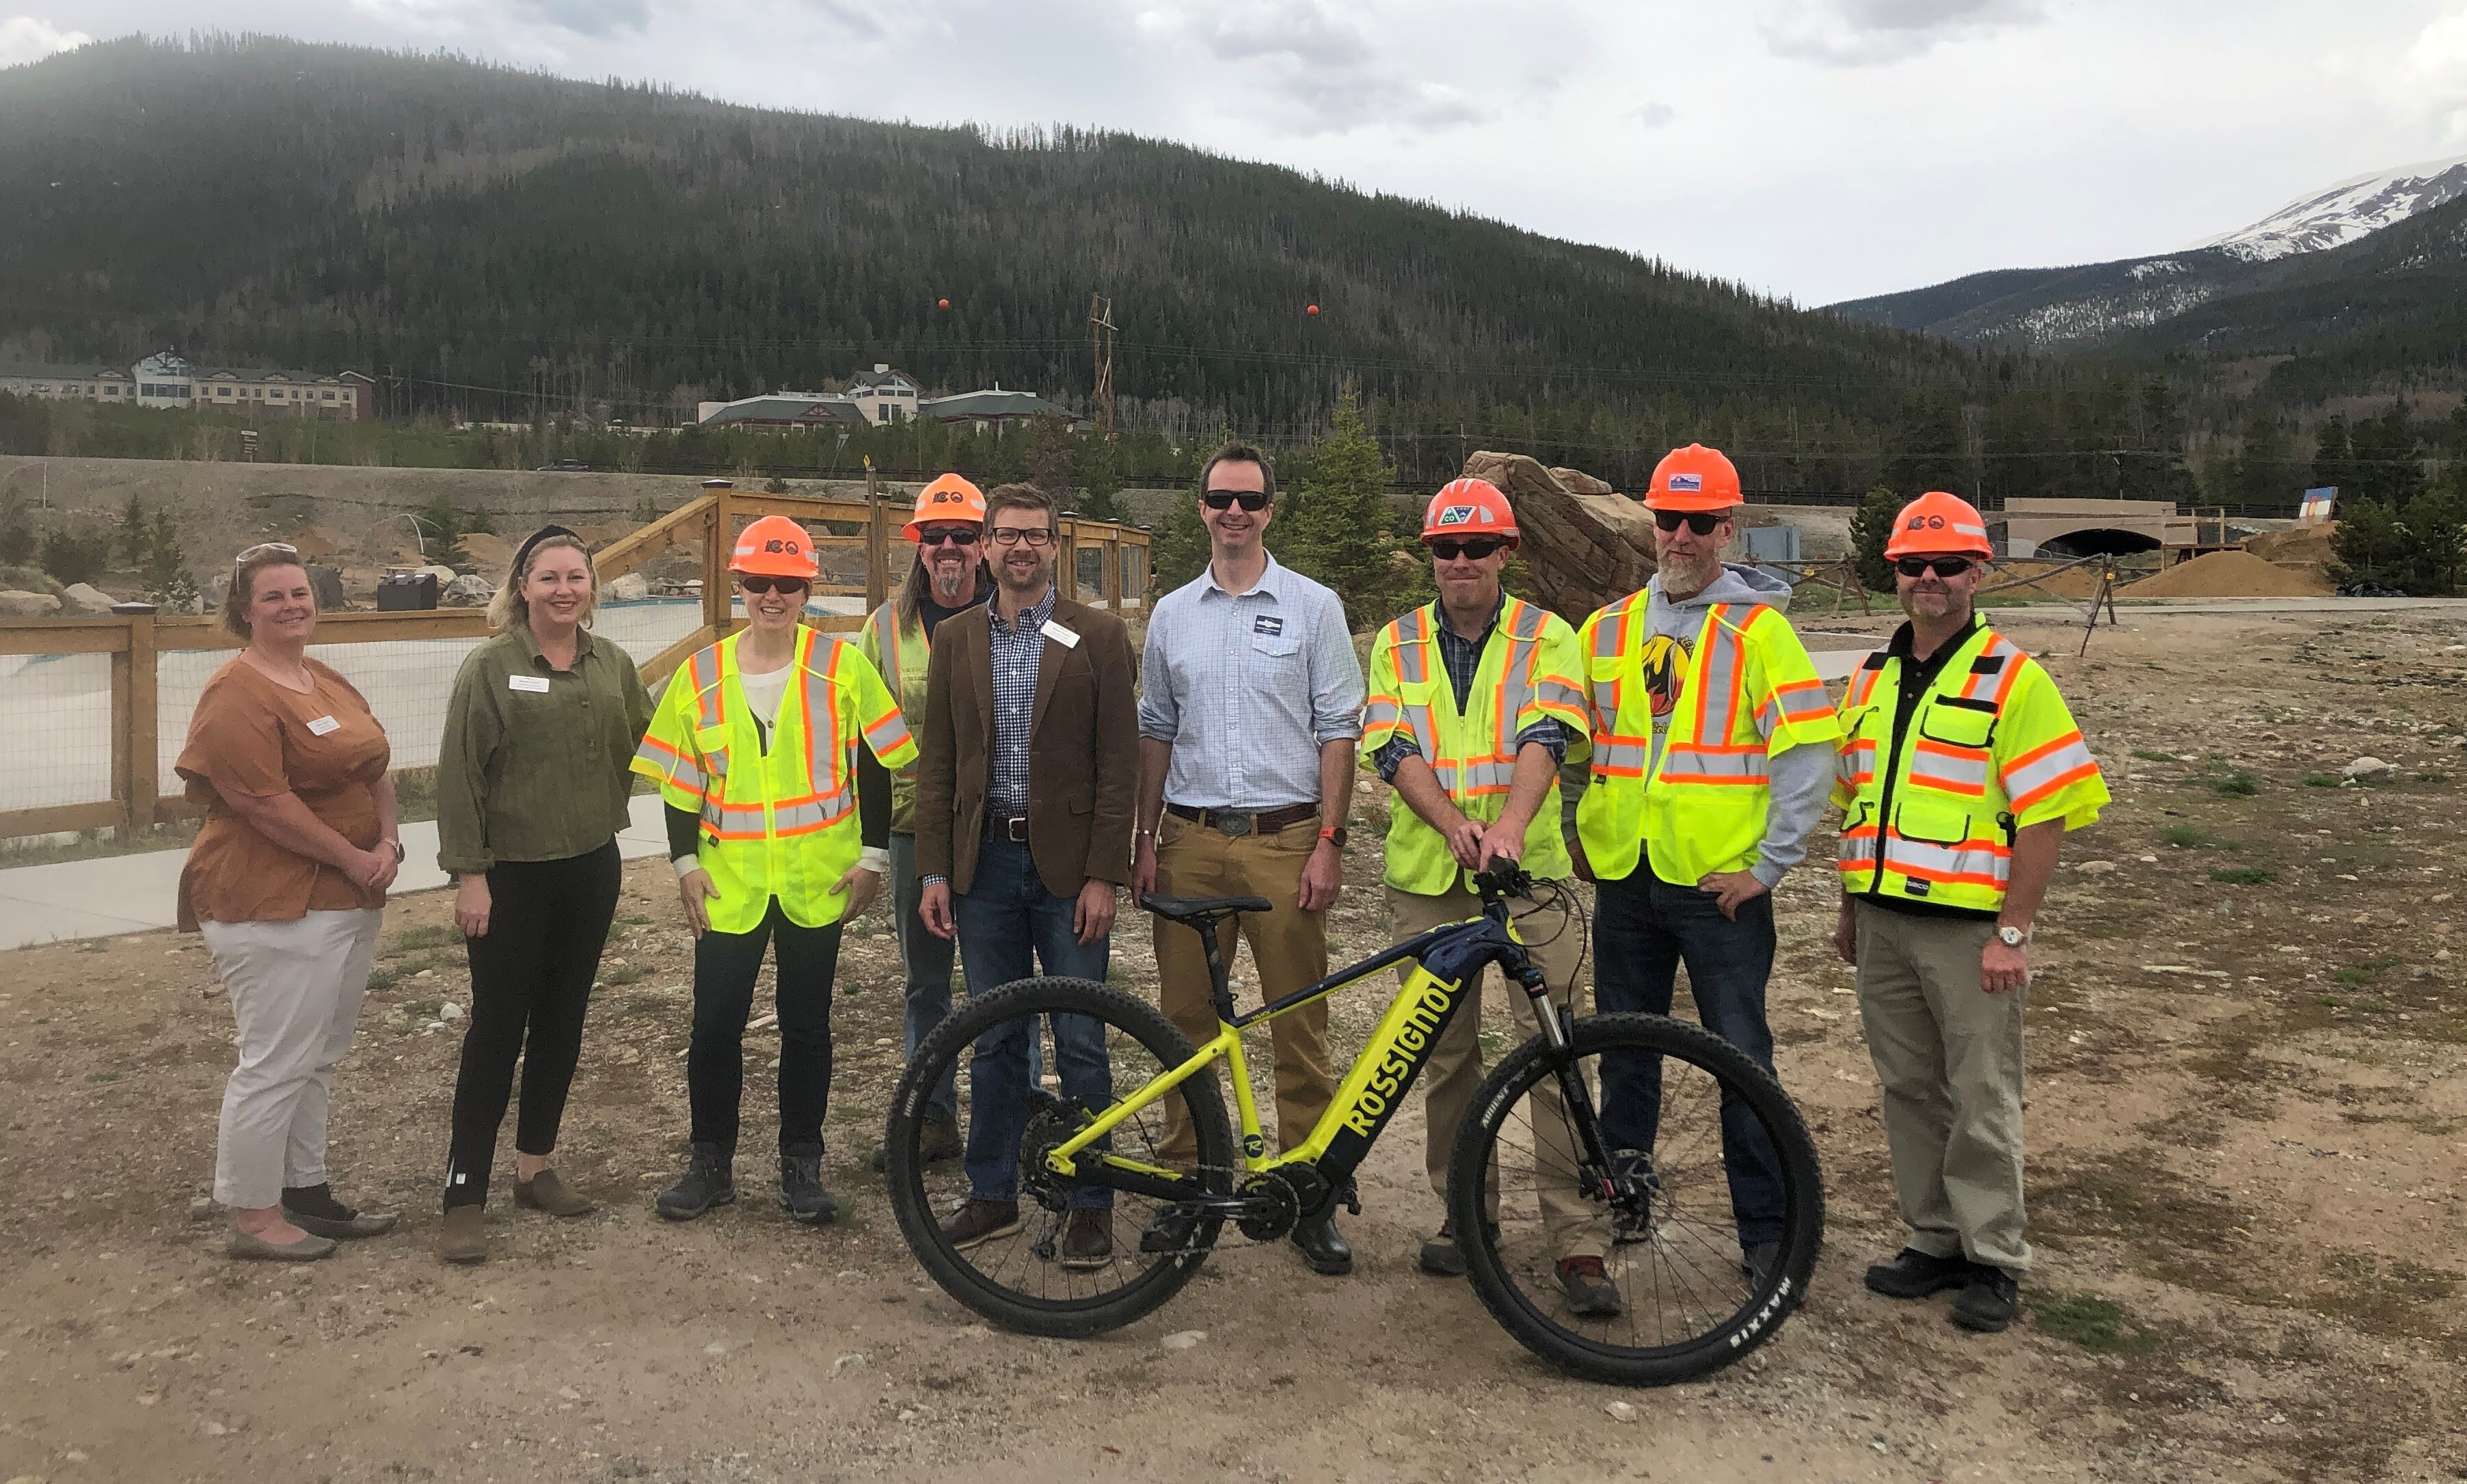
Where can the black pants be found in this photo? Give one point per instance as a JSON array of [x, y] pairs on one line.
[[530, 983], [725, 967]]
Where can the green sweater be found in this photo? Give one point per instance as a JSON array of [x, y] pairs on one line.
[[534, 762]]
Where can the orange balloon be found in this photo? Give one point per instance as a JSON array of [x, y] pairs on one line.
[[942, 304], [1313, 310]]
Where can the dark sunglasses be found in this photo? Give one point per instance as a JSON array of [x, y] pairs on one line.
[[1478, 548], [1701, 522], [1249, 499], [1941, 566], [960, 536], [760, 585]]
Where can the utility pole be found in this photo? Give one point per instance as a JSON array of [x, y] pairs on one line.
[[1100, 344]]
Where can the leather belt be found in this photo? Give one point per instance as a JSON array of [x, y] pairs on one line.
[[1014, 830], [1228, 822]]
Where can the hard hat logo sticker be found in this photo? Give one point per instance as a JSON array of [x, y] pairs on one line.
[[1458, 514], [1680, 481]]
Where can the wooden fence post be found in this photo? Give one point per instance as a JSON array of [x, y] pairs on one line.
[[877, 543], [122, 748], [145, 757], [720, 535]]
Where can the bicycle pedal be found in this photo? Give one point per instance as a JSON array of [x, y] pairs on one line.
[[1351, 1196]]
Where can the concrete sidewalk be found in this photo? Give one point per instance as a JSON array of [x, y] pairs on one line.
[[138, 893]]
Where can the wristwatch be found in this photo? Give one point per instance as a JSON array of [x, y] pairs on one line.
[[2013, 937], [1334, 833]]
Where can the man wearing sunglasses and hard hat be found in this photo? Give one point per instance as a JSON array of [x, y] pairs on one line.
[[949, 576], [1961, 771], [770, 749], [1712, 749], [1475, 699]]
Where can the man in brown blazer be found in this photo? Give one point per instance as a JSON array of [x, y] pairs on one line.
[[1026, 781]]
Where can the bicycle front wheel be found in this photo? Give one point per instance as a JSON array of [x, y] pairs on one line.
[[1025, 1068], [1677, 1297]]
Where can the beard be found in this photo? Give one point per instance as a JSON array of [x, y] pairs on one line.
[[1686, 574]]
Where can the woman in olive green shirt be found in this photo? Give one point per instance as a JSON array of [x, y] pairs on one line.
[[531, 789]]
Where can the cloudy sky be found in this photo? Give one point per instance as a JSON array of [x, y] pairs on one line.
[[1814, 148]]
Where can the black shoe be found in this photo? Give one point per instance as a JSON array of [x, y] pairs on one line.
[[710, 1180], [1986, 1303], [1327, 1253], [801, 1190], [1171, 1230], [940, 1139], [313, 1210], [1915, 1274], [1758, 1261]]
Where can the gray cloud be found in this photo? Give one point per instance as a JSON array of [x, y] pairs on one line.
[[1651, 115], [1320, 68], [602, 19], [1874, 33]]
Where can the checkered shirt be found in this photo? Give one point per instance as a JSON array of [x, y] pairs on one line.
[[1017, 651]]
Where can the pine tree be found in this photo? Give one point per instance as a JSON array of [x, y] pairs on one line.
[[1871, 527], [1338, 527]]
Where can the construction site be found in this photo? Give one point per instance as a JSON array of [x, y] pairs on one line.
[[2247, 1041]]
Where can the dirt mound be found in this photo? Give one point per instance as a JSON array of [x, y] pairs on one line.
[[2230, 575], [2304, 544], [491, 553], [323, 543]]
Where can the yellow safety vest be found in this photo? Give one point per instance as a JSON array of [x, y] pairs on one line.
[[900, 651], [1528, 672], [782, 823], [1990, 749], [1749, 690]]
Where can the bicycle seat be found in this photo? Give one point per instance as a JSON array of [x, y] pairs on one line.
[[1195, 909]]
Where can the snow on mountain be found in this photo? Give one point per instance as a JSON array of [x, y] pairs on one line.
[[2345, 211]]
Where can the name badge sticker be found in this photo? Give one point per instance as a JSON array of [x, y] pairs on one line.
[[1061, 635], [537, 683], [1267, 623], [323, 725]]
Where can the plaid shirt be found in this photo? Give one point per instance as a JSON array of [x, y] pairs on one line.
[[1463, 659], [1017, 651]]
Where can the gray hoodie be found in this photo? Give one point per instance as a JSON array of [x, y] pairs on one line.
[[1801, 777]]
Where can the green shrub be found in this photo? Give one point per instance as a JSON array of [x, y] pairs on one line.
[[2244, 876]]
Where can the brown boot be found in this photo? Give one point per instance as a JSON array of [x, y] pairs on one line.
[[545, 1192], [464, 1238]]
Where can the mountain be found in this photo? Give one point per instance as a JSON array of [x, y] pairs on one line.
[[484, 238], [2345, 211]]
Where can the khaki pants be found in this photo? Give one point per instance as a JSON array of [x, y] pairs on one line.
[[295, 990], [1949, 1055], [1288, 949], [1572, 1225]]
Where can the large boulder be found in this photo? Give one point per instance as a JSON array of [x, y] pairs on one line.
[[630, 587], [86, 598], [1584, 543], [15, 604], [468, 590]]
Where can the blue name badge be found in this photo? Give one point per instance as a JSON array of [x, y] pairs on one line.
[[1267, 624]]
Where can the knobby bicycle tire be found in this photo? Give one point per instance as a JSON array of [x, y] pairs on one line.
[[1066, 1319], [1532, 1321]]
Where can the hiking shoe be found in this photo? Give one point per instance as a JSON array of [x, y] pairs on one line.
[[1758, 1261], [938, 1141], [545, 1192], [801, 1190], [710, 1180], [1088, 1238], [1591, 1292], [980, 1222], [1915, 1274], [1633, 1169], [1985, 1304], [313, 1210], [1442, 1257], [1171, 1230], [464, 1238]]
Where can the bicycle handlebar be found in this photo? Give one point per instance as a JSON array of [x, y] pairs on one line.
[[1504, 880]]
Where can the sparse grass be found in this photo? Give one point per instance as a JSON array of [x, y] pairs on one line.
[[2093, 1321], [2244, 876], [622, 974], [409, 939], [422, 1009], [2238, 784], [2366, 972], [102, 1076], [2152, 755], [381, 978], [639, 920], [2321, 780], [2185, 837]]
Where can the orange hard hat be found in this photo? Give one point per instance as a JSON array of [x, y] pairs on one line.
[[774, 547], [1693, 478], [949, 498], [1469, 507], [1936, 523]]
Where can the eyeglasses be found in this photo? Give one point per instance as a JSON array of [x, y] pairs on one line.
[[1013, 536], [1478, 548], [956, 535], [1941, 566], [264, 546], [1702, 522], [762, 585], [1252, 500]]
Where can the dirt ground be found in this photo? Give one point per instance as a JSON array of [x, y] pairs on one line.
[[2246, 1113]]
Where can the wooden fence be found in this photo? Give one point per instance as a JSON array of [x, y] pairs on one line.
[[1103, 560]]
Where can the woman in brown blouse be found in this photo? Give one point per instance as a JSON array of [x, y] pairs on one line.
[[287, 883]]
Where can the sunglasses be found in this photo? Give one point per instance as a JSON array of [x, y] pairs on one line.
[[1478, 548], [1941, 566], [762, 585], [264, 546], [962, 535], [1702, 522], [1247, 499]]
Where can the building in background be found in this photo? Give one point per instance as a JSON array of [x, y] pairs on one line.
[[168, 381], [782, 411], [878, 398]]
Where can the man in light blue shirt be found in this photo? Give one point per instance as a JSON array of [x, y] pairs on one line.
[[1247, 730]]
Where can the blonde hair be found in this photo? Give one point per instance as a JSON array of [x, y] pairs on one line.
[[506, 605]]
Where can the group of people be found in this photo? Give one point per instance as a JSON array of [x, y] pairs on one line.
[[992, 748]]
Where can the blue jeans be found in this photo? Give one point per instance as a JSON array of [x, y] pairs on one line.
[[1007, 918], [1644, 928], [925, 964]]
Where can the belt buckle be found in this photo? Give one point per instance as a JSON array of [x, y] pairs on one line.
[[1015, 829], [1232, 826]]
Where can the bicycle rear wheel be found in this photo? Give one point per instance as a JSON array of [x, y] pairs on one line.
[[1031, 1063], [1664, 1223]]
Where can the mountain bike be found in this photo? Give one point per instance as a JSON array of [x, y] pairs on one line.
[[1120, 1197]]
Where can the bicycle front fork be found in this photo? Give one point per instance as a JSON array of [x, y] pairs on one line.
[[1558, 1032]]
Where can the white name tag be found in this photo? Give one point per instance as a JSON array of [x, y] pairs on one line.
[[323, 725], [1061, 635], [532, 683]]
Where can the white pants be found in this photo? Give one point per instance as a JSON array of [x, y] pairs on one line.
[[295, 990]]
